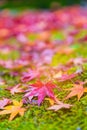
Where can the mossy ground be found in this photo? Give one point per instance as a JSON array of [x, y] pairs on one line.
[[37, 117]]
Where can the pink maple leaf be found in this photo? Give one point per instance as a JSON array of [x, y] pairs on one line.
[[27, 76], [40, 90], [15, 89], [66, 77], [4, 102]]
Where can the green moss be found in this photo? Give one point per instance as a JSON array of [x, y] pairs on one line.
[[59, 35], [12, 55], [38, 118]]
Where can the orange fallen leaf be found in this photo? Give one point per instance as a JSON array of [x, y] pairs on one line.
[[77, 90], [14, 110], [65, 50]]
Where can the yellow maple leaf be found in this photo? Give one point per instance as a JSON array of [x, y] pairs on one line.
[[51, 101], [14, 109], [58, 75]]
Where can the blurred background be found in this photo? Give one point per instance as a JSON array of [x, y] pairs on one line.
[[40, 4]]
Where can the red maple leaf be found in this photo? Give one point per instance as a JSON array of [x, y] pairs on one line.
[[40, 90]]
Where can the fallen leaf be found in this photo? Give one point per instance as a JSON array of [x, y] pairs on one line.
[[77, 90], [51, 101], [59, 106], [16, 89], [14, 110], [58, 75], [27, 76], [66, 77], [65, 50], [40, 90], [2, 82], [4, 102]]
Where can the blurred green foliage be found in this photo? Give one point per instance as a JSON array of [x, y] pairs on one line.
[[36, 3]]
